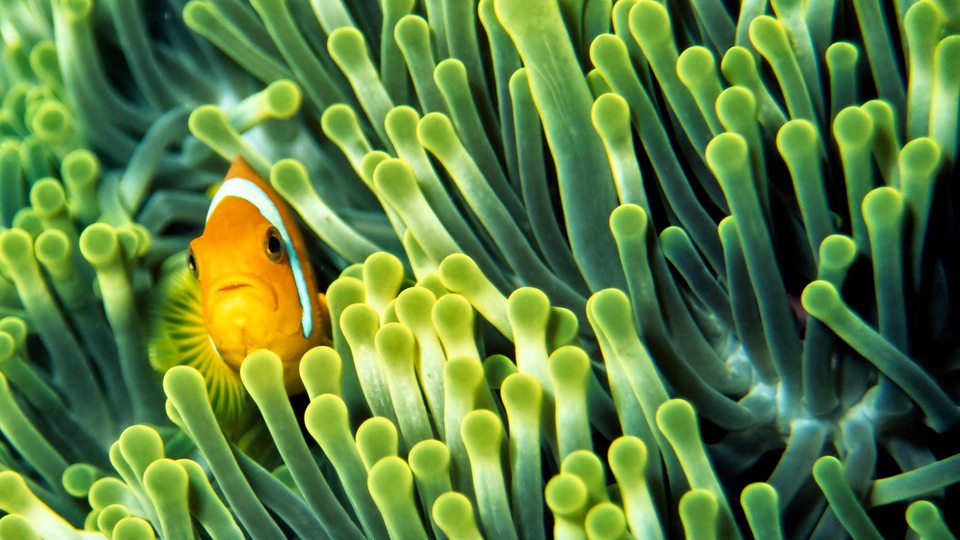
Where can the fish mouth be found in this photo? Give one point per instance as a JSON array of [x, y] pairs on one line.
[[233, 286], [245, 284]]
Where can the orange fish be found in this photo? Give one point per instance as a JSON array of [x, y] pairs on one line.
[[257, 285]]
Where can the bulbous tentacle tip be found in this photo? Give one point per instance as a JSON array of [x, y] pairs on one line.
[[610, 114], [376, 438], [528, 309], [522, 392], [454, 514], [481, 431], [394, 342], [629, 221], [676, 416], [17, 526], [289, 177], [796, 136], [166, 481], [321, 370], [695, 65], [838, 251], [182, 377], [605, 521], [139, 446], [410, 29], [429, 457], [16, 245], [927, 520], [818, 298], [347, 46], [338, 120], [727, 153], [78, 478], [133, 528], [627, 457], [761, 505], [325, 417], [650, 24], [261, 368], [283, 98], [566, 496], [699, 511], [100, 245], [14, 488], [853, 128], [883, 207]]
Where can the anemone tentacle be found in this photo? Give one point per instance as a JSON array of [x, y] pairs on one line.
[[595, 269]]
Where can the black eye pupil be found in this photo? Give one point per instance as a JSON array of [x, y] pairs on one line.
[[192, 264], [273, 245]]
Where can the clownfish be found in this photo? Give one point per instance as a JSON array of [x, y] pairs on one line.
[[245, 283], [257, 285], [258, 289]]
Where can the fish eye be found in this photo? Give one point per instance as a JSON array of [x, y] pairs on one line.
[[273, 245], [192, 263]]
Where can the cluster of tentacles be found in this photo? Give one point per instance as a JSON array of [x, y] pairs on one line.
[[607, 269]]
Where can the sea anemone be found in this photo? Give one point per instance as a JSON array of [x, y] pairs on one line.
[[600, 269]]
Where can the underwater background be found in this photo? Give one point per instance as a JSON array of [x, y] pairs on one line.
[[596, 269]]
